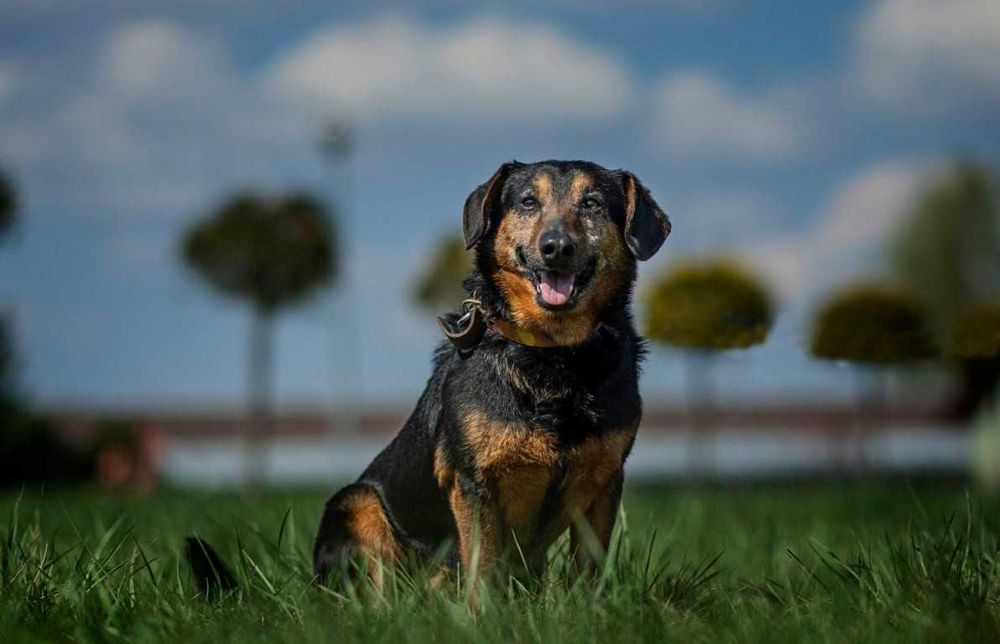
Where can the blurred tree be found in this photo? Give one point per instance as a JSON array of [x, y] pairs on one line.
[[872, 326], [8, 395], [975, 345], [8, 204], [703, 308], [439, 286], [272, 252], [8, 210], [947, 251], [30, 448], [975, 334], [708, 306]]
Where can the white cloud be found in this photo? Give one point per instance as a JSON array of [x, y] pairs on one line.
[[928, 55], [156, 118], [722, 218], [847, 239], [913, 57], [698, 116], [870, 204], [157, 59], [785, 262], [488, 67]]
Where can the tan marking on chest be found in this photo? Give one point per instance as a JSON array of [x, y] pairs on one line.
[[498, 446], [517, 464]]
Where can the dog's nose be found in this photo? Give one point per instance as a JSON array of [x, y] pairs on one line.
[[556, 245]]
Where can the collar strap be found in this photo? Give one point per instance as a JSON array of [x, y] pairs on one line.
[[520, 335], [466, 331]]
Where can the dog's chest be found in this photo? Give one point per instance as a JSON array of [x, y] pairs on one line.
[[538, 485]]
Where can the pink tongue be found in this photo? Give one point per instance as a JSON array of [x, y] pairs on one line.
[[555, 289]]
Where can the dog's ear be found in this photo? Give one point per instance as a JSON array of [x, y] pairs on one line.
[[482, 207], [646, 225]]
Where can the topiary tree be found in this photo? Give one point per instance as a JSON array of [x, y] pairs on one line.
[[708, 306], [947, 251], [272, 252], [439, 286], [703, 308], [873, 327]]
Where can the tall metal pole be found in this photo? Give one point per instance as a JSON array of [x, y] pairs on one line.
[[336, 146]]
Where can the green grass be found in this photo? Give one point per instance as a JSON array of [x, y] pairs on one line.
[[778, 564]]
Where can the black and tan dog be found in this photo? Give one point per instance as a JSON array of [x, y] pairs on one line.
[[526, 422]]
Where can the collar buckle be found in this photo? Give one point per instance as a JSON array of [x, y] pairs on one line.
[[465, 330]]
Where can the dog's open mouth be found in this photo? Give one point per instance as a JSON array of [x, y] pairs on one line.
[[560, 291], [555, 289]]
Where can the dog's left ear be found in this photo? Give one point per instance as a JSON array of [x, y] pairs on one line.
[[482, 207], [646, 225]]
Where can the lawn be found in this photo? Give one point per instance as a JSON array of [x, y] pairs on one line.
[[816, 563]]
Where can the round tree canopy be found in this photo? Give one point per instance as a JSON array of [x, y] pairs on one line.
[[271, 251], [874, 325], [708, 305], [976, 332], [440, 285], [8, 203]]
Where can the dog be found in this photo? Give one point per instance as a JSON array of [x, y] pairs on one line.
[[524, 426]]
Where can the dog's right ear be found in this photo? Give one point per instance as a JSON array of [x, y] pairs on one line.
[[482, 207]]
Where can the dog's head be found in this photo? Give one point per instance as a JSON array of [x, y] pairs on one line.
[[559, 239]]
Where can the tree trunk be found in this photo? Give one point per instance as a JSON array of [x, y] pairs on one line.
[[261, 414], [701, 409], [871, 410]]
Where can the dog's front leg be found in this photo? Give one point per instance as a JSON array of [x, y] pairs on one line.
[[590, 534], [479, 539]]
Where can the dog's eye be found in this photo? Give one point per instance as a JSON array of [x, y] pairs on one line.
[[529, 203], [591, 204]]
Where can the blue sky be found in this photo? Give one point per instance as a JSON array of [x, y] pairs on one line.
[[790, 134]]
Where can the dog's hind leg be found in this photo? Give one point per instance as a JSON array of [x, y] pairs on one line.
[[355, 529]]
